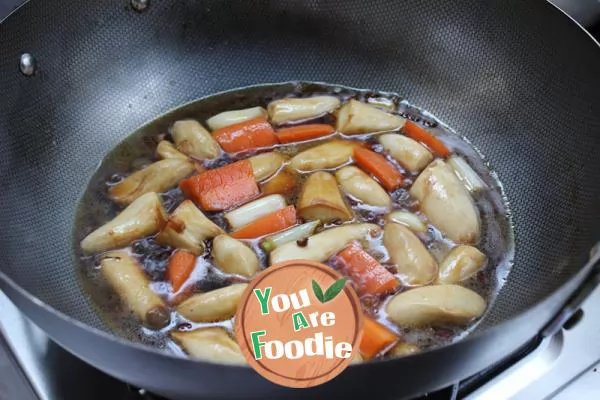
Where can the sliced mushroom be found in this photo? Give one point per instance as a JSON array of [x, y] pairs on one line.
[[157, 177], [325, 244], [187, 228], [286, 110], [234, 257], [382, 103], [403, 349], [285, 183], [321, 199], [266, 164], [216, 305], [466, 174], [362, 187], [166, 149], [211, 344], [355, 118], [407, 219], [126, 276], [415, 265], [329, 155], [433, 305], [192, 139], [228, 118], [411, 154], [144, 217], [462, 263], [446, 203]]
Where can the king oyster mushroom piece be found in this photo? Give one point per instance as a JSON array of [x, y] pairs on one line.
[[126, 276], [286, 110], [192, 139], [210, 344], [362, 187], [234, 257], [411, 154], [323, 245], [216, 305], [187, 228], [433, 305], [355, 118], [415, 265], [408, 219], [321, 199], [228, 118], [144, 217], [157, 177], [447, 204], [403, 349], [333, 154], [166, 149], [460, 264], [266, 164]]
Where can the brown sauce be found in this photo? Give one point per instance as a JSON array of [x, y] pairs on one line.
[[138, 150]]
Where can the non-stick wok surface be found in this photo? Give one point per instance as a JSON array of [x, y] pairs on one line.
[[518, 79]]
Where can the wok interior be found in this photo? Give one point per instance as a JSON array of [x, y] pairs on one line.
[[523, 92]]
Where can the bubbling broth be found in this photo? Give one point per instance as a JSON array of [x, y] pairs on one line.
[[193, 205]]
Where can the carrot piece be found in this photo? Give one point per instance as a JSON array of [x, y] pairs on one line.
[[377, 165], [419, 134], [222, 188], [284, 183], [274, 222], [181, 265], [370, 276], [303, 132], [256, 132], [376, 338]]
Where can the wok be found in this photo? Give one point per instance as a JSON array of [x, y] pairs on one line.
[[519, 79]]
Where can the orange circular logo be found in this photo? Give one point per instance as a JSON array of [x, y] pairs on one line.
[[299, 323]]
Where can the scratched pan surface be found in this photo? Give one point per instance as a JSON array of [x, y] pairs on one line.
[[518, 79]]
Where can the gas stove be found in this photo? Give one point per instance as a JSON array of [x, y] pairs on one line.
[[563, 366]]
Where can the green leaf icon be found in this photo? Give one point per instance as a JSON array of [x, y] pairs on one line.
[[331, 292], [334, 290], [317, 291]]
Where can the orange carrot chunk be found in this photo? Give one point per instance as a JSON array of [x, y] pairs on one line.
[[376, 338], [256, 132], [419, 134], [181, 265], [370, 276], [377, 165], [222, 188], [274, 222], [303, 132]]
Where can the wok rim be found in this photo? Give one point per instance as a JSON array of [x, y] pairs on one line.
[[584, 272]]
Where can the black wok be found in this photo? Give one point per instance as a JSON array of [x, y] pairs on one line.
[[519, 79]]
